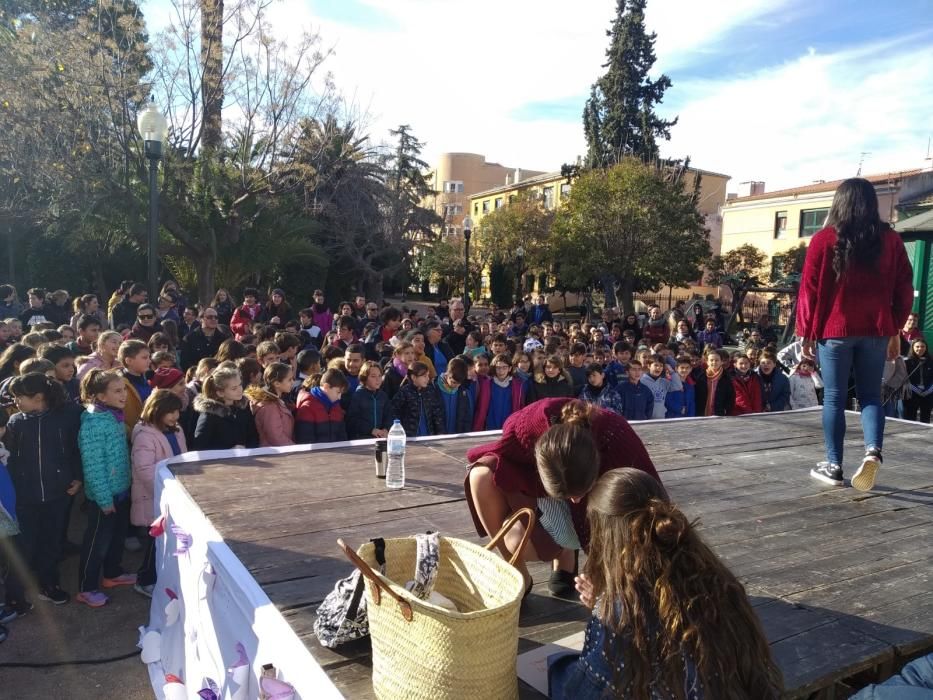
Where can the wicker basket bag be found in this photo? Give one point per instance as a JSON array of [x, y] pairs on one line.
[[425, 652]]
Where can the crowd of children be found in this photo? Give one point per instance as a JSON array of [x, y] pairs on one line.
[[95, 409]]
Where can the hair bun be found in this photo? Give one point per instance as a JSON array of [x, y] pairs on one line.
[[668, 523], [576, 412]]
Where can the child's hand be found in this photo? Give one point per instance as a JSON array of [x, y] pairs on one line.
[[109, 510], [380, 433], [73, 488], [585, 589]]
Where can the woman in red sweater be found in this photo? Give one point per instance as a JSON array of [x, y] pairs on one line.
[[548, 458], [855, 294]]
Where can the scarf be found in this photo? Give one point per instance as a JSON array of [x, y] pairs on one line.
[[713, 375], [318, 393], [115, 412], [504, 383], [400, 367]]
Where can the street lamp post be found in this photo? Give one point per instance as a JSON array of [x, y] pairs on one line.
[[467, 231], [153, 128], [520, 283]]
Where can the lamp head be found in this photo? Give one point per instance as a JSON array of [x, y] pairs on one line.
[[151, 124]]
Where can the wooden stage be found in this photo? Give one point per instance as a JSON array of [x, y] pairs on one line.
[[842, 580]]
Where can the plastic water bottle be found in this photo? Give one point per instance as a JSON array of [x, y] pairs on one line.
[[395, 452]]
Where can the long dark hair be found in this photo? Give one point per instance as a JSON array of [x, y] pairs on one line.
[[656, 582], [859, 226]]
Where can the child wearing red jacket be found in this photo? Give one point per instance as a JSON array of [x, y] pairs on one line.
[[747, 387], [242, 320], [320, 417]]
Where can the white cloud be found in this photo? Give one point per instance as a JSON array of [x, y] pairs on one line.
[[811, 118], [457, 72]]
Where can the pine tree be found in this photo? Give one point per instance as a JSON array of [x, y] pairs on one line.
[[619, 118]]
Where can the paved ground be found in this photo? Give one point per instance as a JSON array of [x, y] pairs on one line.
[[74, 632]]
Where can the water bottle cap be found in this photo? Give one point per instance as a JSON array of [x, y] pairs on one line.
[[396, 422]]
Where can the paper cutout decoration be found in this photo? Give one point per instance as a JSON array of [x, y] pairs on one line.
[[239, 675], [151, 644], [157, 528], [210, 692], [274, 689], [183, 540], [174, 689], [172, 608]]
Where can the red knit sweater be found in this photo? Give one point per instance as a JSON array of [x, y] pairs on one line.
[[867, 301]]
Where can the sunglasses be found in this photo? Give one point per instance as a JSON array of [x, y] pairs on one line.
[[146, 317]]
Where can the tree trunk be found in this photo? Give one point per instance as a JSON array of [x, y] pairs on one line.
[[99, 285], [205, 265], [608, 283], [627, 295], [212, 89]]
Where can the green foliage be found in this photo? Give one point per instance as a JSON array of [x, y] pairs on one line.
[[740, 266], [524, 223], [787, 267], [619, 119], [633, 222]]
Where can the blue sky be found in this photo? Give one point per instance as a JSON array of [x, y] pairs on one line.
[[786, 91]]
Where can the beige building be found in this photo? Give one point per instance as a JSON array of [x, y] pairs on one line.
[[776, 222], [457, 176]]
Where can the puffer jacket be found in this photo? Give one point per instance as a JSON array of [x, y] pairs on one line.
[[274, 422], [409, 403], [604, 397], [44, 456], [105, 456], [368, 411], [222, 427], [150, 446], [557, 388], [317, 423]]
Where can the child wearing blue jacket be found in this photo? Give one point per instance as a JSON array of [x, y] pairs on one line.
[[775, 386], [370, 413], [105, 456], [659, 384], [683, 404], [637, 399], [45, 470]]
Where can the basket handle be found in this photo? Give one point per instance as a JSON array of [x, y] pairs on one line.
[[508, 525], [377, 585]]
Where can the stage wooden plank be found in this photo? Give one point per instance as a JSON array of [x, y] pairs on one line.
[[841, 580]]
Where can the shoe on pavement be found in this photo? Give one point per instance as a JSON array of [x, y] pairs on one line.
[[864, 479], [132, 544], [11, 611], [828, 473], [144, 590], [54, 595], [93, 599], [121, 580]]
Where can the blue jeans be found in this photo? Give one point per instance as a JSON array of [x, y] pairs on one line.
[[914, 682], [838, 356]]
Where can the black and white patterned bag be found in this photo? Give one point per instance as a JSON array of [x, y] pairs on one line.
[[341, 617]]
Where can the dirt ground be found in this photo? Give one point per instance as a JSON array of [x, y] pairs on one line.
[[74, 632]]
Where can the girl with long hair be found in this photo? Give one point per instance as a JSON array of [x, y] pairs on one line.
[[548, 458], [88, 305], [274, 422], [669, 619], [157, 436], [920, 378], [550, 381], [856, 291], [223, 304]]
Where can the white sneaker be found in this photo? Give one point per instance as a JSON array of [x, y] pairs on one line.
[[864, 478]]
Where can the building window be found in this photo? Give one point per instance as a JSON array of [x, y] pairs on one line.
[[811, 221], [475, 208], [453, 186], [498, 202], [485, 206], [565, 190], [547, 195], [450, 230], [780, 224], [453, 210]]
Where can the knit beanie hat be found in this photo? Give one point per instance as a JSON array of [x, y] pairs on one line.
[[166, 378]]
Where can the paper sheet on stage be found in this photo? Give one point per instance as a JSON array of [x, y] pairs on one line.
[[532, 665]]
